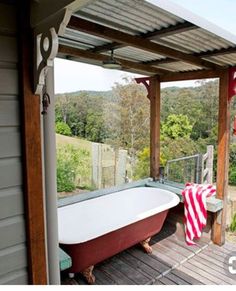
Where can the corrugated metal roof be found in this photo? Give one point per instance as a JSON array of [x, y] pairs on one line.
[[85, 38], [179, 67], [137, 54], [139, 17], [135, 15]]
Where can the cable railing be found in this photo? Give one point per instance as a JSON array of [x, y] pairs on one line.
[[196, 168]]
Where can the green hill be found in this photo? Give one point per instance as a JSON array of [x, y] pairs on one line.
[[76, 142]]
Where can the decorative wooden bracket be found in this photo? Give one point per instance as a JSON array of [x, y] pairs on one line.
[[232, 82], [48, 21], [46, 45], [146, 82]]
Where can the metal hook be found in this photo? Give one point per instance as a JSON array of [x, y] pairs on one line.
[[45, 101]]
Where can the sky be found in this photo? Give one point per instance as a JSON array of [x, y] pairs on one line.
[[74, 76]]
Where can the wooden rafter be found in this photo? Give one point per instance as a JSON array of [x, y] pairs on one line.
[[75, 52], [151, 35], [192, 75], [170, 30], [136, 41], [214, 53]]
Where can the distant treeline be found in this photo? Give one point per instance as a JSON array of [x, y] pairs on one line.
[[120, 117]]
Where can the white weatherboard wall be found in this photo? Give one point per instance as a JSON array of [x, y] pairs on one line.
[[13, 253]]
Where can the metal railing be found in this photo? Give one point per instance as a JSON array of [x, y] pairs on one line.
[[196, 168]]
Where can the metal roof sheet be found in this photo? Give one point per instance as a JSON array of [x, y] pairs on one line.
[[137, 54], [139, 17]]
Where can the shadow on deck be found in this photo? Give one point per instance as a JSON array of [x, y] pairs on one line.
[[171, 263]]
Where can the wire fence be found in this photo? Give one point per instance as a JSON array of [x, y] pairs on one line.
[[196, 168]]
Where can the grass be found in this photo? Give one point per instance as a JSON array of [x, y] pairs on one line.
[[75, 141]]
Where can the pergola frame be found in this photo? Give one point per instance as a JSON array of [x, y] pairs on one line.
[[153, 88], [48, 21], [208, 70]]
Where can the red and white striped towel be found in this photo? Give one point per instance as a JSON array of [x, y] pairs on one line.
[[195, 212]]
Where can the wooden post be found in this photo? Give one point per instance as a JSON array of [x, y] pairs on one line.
[[155, 113], [32, 160], [219, 223]]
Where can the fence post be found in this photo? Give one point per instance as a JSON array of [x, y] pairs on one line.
[[209, 163], [199, 169], [96, 165]]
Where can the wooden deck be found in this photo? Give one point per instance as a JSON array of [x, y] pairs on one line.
[[171, 263]]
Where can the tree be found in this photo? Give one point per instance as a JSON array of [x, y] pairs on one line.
[[95, 128], [63, 128], [177, 126], [62, 107], [131, 117]]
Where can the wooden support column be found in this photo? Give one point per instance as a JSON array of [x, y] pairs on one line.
[[155, 113], [32, 160], [219, 223]]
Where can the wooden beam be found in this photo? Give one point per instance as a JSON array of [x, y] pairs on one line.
[[155, 115], [213, 53], [151, 35], [192, 75], [219, 223], [32, 163], [136, 41], [78, 53]]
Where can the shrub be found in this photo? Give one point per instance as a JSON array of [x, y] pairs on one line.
[[72, 168], [232, 176], [232, 168], [233, 224], [63, 128]]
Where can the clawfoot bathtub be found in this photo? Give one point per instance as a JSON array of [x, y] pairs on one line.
[[96, 229]]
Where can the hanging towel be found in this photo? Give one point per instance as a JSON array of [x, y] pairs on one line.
[[195, 212]]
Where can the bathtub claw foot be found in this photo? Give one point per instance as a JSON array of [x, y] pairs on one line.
[[71, 275], [88, 275], [145, 244]]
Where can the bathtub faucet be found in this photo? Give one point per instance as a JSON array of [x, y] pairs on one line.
[[161, 174]]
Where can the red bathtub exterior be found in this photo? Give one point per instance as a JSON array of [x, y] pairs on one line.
[[96, 250]]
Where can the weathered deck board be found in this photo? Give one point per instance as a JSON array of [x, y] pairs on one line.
[[207, 271], [116, 275], [139, 265], [171, 263], [130, 272], [150, 260], [186, 277], [191, 271], [176, 279], [161, 253], [214, 269], [102, 278], [166, 281]]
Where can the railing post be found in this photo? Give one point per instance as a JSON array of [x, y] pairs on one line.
[[209, 163]]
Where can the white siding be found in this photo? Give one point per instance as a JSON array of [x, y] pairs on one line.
[[13, 251]]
